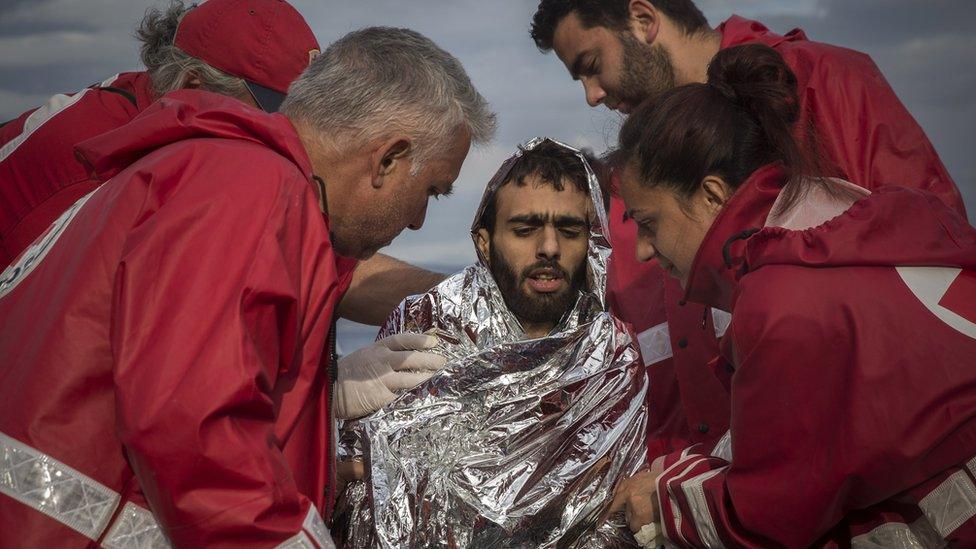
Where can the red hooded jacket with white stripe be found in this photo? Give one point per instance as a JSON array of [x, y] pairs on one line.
[[39, 174], [168, 336], [853, 339], [863, 130]]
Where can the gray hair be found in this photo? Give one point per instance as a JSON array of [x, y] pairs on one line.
[[170, 67], [380, 80]]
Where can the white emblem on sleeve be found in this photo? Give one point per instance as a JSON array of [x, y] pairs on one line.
[[930, 284]]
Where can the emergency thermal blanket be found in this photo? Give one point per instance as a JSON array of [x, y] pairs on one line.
[[517, 443]]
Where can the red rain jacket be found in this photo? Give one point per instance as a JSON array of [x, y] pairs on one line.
[[853, 338], [39, 174], [168, 336], [863, 130]]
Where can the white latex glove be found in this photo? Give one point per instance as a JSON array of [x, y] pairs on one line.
[[369, 376]]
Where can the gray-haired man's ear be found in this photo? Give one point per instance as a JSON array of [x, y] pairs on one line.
[[392, 155]]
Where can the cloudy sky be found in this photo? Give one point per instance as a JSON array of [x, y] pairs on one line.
[[925, 47]]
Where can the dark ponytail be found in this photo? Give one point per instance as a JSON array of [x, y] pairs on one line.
[[741, 120]]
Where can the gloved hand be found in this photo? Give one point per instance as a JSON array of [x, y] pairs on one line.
[[369, 376]]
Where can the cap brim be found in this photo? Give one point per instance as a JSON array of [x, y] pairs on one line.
[[269, 100]]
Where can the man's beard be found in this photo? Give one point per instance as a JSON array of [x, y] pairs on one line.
[[535, 307], [648, 70]]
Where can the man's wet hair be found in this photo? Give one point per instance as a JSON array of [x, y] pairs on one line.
[[550, 164], [611, 14]]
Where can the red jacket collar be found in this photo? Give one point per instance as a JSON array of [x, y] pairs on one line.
[[739, 30], [711, 282]]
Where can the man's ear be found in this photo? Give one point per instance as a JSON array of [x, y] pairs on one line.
[[645, 20], [714, 192], [391, 159], [483, 242]]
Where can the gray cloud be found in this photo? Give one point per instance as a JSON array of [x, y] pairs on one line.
[[876, 24]]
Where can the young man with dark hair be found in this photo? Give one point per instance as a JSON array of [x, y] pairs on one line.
[[627, 51], [543, 387], [534, 232]]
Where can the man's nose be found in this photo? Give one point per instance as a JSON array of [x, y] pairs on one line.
[[594, 92], [645, 250], [418, 220], [549, 244]]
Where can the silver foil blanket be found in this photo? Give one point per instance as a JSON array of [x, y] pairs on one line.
[[517, 442], [516, 445]]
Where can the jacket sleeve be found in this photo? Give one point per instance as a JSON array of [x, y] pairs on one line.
[[869, 133], [799, 459], [206, 333]]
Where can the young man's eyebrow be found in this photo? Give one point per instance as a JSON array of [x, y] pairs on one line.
[[569, 221], [542, 219], [529, 219]]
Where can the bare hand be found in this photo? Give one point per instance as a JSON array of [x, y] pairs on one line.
[[635, 496]]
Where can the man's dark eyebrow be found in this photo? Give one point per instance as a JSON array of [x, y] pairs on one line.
[[529, 219], [542, 219], [569, 221]]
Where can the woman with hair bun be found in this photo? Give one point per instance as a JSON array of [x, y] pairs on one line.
[[853, 332]]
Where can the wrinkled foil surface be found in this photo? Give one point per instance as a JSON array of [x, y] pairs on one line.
[[516, 443]]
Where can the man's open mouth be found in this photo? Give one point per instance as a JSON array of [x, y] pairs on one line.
[[546, 280]]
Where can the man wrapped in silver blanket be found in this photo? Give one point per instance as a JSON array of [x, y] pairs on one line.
[[540, 410]]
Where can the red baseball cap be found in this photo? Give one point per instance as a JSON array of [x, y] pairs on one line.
[[267, 43]]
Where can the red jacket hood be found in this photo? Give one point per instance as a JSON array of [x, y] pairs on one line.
[[190, 114], [739, 30], [894, 226]]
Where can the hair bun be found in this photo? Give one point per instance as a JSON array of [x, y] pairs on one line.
[[757, 78]]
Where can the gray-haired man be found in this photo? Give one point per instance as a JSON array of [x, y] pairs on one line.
[[250, 50], [166, 343]]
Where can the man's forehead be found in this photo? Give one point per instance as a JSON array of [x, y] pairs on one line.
[[534, 198], [571, 39]]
